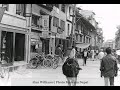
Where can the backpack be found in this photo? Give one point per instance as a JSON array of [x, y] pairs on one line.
[[70, 68]]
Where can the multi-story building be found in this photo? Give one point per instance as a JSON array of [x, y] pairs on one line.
[[69, 23], [14, 34], [110, 43], [38, 21], [57, 18], [34, 28], [58, 27], [96, 33], [85, 31], [49, 25]]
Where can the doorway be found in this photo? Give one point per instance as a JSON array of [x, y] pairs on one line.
[[7, 46], [19, 47]]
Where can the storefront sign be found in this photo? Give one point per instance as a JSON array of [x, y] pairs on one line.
[[45, 22]]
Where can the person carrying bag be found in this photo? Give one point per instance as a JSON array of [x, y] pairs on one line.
[[71, 69]]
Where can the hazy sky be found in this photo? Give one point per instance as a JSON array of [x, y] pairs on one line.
[[108, 15]]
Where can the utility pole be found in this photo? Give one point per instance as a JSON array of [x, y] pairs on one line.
[[73, 24]]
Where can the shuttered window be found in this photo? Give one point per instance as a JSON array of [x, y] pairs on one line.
[[20, 9], [62, 25], [63, 8], [56, 22], [35, 20]]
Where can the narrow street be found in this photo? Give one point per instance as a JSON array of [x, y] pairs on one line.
[[88, 76]]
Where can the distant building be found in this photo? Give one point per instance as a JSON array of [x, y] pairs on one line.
[[110, 43], [96, 34]]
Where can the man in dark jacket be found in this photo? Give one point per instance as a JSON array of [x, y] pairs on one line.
[[70, 70], [109, 67]]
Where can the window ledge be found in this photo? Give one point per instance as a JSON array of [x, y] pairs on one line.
[[15, 15]]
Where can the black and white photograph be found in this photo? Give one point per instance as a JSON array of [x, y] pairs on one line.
[[59, 44]]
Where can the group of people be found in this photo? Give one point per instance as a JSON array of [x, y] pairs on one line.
[[91, 54], [108, 66]]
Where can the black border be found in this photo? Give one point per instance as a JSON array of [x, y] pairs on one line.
[[62, 1]]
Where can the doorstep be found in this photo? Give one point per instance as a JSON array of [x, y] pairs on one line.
[[18, 65]]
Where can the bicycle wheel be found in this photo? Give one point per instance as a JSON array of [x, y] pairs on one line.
[[55, 64], [33, 63], [47, 63]]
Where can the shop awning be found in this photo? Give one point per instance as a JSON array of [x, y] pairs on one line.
[[82, 45]]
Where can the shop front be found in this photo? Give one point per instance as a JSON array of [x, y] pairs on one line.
[[13, 45], [39, 44]]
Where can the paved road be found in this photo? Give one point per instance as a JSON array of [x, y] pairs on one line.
[[88, 76]]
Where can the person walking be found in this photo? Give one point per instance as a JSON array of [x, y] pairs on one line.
[[93, 54], [73, 52], [85, 55], [59, 52], [101, 54], [96, 56], [109, 68], [71, 68]]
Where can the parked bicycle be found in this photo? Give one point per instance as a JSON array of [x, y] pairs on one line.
[[36, 61], [45, 61], [52, 61]]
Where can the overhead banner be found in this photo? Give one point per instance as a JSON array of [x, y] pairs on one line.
[[82, 45], [2, 10]]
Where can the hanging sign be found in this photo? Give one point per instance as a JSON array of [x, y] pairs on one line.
[[45, 22]]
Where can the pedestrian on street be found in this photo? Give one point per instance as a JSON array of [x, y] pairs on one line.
[[101, 55], [59, 52], [97, 52], [85, 55], [70, 70], [73, 52], [93, 54], [109, 68]]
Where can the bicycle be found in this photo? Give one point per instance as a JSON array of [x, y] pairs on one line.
[[51, 61], [36, 61]]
